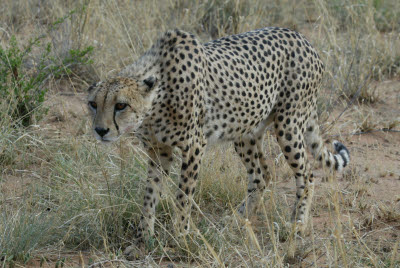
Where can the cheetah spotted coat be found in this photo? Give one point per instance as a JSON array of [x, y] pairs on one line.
[[231, 89]]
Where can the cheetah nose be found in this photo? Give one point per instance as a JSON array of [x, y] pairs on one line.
[[101, 131]]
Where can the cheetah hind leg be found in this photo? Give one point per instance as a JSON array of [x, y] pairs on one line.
[[295, 154]]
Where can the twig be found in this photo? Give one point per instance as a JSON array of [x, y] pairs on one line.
[[319, 257], [101, 263], [348, 105], [366, 132]]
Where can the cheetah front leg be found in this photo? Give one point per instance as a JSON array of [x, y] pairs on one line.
[[160, 160], [251, 152], [191, 160]]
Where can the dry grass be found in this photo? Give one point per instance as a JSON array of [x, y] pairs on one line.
[[65, 200]]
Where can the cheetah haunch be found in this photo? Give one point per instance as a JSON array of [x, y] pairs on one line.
[[185, 94]]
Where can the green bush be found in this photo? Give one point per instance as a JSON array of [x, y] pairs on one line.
[[23, 87]]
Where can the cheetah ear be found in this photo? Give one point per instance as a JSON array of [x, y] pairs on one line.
[[148, 89], [150, 82], [92, 87]]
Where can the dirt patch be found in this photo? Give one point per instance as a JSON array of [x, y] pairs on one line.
[[67, 114]]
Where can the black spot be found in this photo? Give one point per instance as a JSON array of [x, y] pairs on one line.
[[314, 145], [184, 166]]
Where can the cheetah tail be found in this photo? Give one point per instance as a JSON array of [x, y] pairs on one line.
[[333, 161]]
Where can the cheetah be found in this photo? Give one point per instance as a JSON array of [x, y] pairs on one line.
[[185, 94]]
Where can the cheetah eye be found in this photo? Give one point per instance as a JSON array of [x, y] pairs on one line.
[[120, 106], [93, 104]]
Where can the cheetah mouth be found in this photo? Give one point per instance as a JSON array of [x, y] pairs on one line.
[[107, 140]]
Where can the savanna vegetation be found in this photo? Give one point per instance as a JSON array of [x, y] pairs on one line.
[[67, 201]]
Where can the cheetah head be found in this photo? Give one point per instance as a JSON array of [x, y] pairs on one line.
[[119, 105]]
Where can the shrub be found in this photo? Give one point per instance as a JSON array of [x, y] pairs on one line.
[[23, 87]]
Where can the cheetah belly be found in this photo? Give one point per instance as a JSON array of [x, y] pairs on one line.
[[221, 126]]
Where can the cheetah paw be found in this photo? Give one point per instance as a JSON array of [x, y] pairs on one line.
[[134, 252], [247, 209], [298, 227]]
